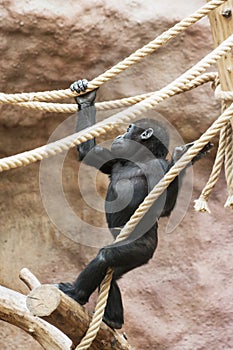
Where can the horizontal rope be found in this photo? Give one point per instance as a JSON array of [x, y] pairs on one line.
[[131, 113], [101, 106], [121, 66]]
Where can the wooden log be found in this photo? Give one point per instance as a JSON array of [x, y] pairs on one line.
[[71, 318], [221, 21], [13, 310], [67, 315], [29, 279]]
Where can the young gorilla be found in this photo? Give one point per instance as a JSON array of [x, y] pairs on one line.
[[135, 164]]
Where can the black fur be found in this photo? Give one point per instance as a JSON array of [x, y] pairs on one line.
[[135, 164]]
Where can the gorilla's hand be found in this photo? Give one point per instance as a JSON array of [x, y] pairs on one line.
[[79, 86], [180, 150], [85, 100]]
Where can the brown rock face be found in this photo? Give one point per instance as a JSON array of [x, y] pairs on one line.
[[182, 299]]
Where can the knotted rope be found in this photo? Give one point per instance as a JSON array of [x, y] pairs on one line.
[[223, 95]]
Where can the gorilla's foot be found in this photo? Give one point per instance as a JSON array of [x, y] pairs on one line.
[[113, 323], [72, 292]]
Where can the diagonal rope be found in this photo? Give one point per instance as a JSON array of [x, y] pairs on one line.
[[131, 113], [124, 102], [121, 66]]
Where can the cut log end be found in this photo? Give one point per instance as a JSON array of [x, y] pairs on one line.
[[43, 300]]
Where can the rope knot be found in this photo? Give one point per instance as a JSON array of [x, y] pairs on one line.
[[222, 95]]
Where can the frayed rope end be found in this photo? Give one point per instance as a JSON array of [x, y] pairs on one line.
[[201, 205]]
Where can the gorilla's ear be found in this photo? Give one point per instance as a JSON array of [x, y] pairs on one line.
[[147, 134]]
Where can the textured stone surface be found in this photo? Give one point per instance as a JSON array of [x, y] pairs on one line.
[[182, 300]]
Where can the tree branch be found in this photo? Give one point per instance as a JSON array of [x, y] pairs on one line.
[[13, 310], [72, 319]]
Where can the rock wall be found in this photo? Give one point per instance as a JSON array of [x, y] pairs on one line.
[[183, 298]]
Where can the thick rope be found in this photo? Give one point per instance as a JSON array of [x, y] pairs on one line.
[[98, 314], [229, 166], [225, 152], [131, 113], [121, 66], [228, 96], [223, 95], [228, 155], [101, 106]]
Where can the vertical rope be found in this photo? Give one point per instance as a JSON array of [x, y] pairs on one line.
[[229, 165], [225, 152], [98, 314], [201, 204]]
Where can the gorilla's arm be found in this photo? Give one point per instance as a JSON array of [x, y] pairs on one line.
[[173, 188], [91, 154], [86, 118]]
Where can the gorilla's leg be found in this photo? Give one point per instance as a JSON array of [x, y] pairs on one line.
[[85, 285], [88, 280], [122, 257], [114, 313]]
